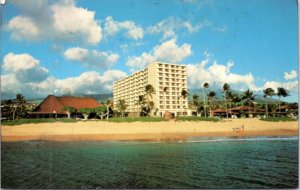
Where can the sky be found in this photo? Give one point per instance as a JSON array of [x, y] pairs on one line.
[[83, 46]]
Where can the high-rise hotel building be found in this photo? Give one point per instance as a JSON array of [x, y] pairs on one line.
[[168, 80]]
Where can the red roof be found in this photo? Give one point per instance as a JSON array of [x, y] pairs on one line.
[[243, 108], [55, 104], [219, 110]]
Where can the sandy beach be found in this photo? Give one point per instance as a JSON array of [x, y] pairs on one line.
[[147, 131]]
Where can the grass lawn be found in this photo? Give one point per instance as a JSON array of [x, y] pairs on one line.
[[41, 120], [114, 119], [277, 119], [157, 119], [195, 118], [135, 119]]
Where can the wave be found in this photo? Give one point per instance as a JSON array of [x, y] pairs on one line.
[[230, 139]]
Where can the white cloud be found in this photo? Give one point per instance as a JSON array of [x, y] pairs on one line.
[[91, 58], [132, 30], [24, 67], [59, 21], [168, 51], [211, 71], [23, 26], [15, 81], [170, 25], [290, 75], [291, 86]]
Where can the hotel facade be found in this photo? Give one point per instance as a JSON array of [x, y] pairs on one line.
[[168, 81]]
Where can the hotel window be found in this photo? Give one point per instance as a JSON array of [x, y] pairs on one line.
[[166, 74], [173, 75], [161, 107], [167, 79], [168, 107], [166, 70], [178, 107], [161, 97], [160, 69], [172, 66], [167, 83], [167, 102], [160, 83], [161, 102], [174, 107], [160, 78]]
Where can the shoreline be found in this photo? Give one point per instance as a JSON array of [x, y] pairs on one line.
[[145, 131]]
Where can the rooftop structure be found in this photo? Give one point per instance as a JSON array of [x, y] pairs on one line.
[[168, 80], [55, 104]]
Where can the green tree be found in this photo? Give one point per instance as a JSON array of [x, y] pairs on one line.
[[226, 89], [141, 103], [18, 108], [249, 97], [149, 91], [86, 112], [205, 86], [195, 101], [268, 92], [68, 110], [101, 111], [281, 92], [210, 96], [108, 105], [121, 106]]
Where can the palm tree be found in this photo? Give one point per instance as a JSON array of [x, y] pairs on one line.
[[210, 95], [205, 85], [149, 91], [195, 101], [226, 89], [268, 92], [249, 97], [282, 92], [108, 104], [121, 106], [140, 102], [184, 94]]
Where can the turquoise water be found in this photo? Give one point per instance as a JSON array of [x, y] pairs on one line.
[[199, 163]]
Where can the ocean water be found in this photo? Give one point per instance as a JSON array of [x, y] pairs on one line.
[[199, 163]]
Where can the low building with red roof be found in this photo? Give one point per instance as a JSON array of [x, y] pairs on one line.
[[53, 105]]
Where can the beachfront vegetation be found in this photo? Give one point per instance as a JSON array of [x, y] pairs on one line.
[[195, 118], [277, 119], [121, 106], [136, 119], [37, 120], [231, 104], [69, 110]]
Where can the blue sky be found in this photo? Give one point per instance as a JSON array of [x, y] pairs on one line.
[[83, 46]]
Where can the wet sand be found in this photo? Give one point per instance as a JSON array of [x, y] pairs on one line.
[[146, 131]]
